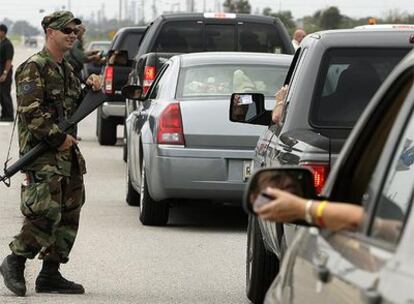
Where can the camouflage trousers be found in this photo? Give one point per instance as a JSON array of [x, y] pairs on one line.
[[51, 205]]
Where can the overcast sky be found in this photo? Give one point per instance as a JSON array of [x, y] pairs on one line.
[[29, 9]]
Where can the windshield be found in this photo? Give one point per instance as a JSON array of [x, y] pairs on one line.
[[347, 81], [213, 80]]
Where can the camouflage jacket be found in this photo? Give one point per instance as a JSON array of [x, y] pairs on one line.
[[47, 92], [76, 57]]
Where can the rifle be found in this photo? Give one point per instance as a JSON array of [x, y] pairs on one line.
[[90, 102]]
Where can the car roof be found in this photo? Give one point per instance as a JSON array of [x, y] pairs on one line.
[[131, 29], [217, 16], [385, 26], [365, 37], [209, 58]]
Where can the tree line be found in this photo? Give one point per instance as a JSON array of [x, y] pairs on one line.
[[323, 19]]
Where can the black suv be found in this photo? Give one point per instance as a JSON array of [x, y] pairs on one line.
[[111, 113], [333, 76], [375, 170]]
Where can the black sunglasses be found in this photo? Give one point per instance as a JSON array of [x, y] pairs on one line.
[[69, 30]]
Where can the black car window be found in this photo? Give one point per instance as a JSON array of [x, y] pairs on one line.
[[256, 37], [294, 77], [347, 80], [179, 37], [397, 191], [357, 171], [293, 81], [220, 37], [131, 44]]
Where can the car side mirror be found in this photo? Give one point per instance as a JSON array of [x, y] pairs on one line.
[[249, 108], [133, 92], [298, 181], [117, 57]]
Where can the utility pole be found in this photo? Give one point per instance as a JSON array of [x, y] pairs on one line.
[[120, 11], [190, 6], [69, 5], [103, 11], [142, 16], [126, 9], [154, 10]]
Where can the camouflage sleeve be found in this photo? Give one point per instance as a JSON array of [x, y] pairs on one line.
[[32, 108]]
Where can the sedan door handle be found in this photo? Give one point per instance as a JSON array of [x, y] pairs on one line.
[[371, 296], [323, 273]]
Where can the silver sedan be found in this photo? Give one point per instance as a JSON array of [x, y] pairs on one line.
[[181, 144]]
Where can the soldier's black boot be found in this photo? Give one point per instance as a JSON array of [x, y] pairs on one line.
[[50, 280], [12, 270]]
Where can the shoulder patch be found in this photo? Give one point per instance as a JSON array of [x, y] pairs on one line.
[[28, 87]]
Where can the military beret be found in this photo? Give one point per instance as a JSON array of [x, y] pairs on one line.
[[58, 20]]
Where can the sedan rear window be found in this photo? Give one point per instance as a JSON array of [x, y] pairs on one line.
[[347, 80], [213, 80]]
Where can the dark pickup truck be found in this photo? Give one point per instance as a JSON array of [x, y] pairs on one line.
[[332, 77], [115, 76], [169, 35], [196, 32]]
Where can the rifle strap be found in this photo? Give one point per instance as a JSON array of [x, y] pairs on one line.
[[8, 158]]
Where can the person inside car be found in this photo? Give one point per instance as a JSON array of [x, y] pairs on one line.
[[280, 97], [286, 207]]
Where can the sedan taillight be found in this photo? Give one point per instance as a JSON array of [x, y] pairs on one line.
[[170, 126]]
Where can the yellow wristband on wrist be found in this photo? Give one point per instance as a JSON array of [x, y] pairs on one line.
[[319, 213]]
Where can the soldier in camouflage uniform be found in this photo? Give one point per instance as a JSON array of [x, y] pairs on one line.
[[48, 92], [77, 56]]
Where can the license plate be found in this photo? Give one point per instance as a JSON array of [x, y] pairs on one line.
[[247, 169]]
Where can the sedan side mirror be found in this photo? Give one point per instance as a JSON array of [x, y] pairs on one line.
[[249, 108], [298, 181], [133, 92]]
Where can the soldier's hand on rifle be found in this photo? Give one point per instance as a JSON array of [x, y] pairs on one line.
[[94, 81], [69, 142]]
